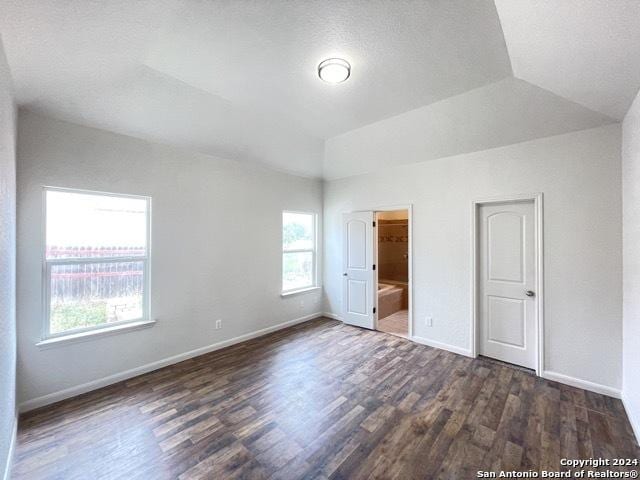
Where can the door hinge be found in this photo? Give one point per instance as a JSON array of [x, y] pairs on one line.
[[374, 223], [374, 309], [374, 267]]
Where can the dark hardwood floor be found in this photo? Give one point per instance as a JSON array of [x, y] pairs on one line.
[[321, 400]]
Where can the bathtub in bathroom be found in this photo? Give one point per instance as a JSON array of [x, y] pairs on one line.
[[392, 297], [384, 288]]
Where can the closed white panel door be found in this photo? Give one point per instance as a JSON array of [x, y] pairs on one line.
[[507, 279], [358, 278]]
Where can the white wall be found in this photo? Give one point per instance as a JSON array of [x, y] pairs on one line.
[[580, 176], [7, 265], [216, 247], [631, 262]]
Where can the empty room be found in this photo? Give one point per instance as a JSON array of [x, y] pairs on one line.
[[319, 239]]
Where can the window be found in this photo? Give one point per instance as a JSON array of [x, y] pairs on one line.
[[96, 260], [298, 251]]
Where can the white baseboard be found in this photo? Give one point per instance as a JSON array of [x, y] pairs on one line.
[[584, 384], [118, 377], [634, 419], [12, 446], [442, 346], [332, 315]]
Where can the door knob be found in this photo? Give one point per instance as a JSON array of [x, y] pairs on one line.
[[529, 293], [344, 274]]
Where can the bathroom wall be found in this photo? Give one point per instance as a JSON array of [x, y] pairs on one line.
[[393, 246]]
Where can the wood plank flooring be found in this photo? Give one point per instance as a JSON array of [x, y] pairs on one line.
[[321, 400]]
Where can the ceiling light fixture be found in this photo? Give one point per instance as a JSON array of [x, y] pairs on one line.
[[334, 70]]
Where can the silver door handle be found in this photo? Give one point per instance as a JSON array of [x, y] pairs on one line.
[[529, 293]]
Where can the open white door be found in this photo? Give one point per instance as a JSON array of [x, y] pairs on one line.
[[358, 298]]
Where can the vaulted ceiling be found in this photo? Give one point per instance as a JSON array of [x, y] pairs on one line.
[[237, 78]]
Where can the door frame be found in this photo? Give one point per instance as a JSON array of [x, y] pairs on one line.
[[390, 208], [538, 222]]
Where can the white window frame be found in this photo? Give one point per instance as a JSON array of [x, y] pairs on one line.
[[314, 252], [48, 263]]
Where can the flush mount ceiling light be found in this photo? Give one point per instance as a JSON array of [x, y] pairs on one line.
[[334, 70]]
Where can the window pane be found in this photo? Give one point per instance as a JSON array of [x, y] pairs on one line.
[[86, 225], [88, 294], [297, 231], [297, 270]]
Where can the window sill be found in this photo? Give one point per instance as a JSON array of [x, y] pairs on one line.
[[297, 292], [94, 334]]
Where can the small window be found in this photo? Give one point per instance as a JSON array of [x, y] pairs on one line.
[[298, 251], [96, 260]]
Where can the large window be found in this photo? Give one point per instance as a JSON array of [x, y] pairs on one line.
[[298, 251], [96, 260]]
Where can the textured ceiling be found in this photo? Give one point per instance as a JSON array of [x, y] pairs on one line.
[[237, 78], [585, 50], [484, 118], [264, 54]]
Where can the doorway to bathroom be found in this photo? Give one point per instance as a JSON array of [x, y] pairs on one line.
[[393, 271]]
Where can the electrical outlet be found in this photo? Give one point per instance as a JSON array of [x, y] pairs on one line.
[[218, 324], [301, 304], [429, 321]]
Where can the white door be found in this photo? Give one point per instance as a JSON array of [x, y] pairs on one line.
[[507, 279], [358, 274]]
